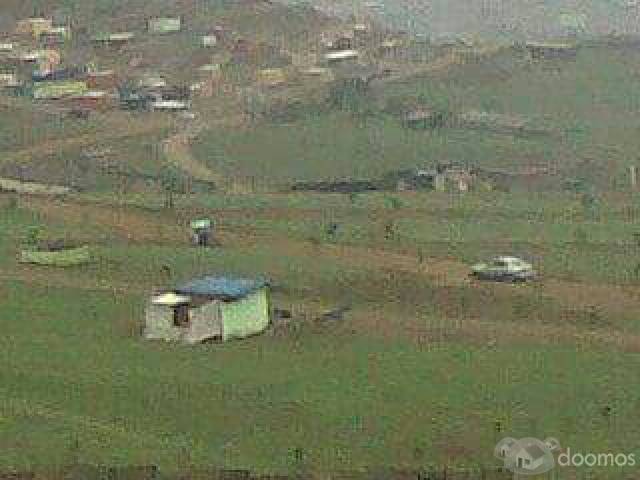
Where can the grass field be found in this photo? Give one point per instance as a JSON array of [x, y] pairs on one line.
[[590, 104], [418, 373]]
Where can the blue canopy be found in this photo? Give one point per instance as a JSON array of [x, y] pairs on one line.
[[232, 287]]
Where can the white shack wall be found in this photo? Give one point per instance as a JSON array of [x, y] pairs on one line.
[[204, 322], [159, 323]]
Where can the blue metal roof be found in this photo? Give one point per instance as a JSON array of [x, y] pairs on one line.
[[223, 286]]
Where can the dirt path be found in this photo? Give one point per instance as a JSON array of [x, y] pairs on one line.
[[46, 277], [140, 226], [178, 152], [177, 147], [137, 225], [113, 129]]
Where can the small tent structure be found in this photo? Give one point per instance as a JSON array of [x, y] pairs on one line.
[[210, 308]]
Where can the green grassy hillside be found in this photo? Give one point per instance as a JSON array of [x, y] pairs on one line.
[[590, 105], [417, 374]]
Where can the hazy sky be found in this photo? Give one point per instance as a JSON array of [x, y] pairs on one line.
[[513, 17]]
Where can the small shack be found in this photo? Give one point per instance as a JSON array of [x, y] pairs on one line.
[[409, 179], [102, 80], [271, 77], [390, 49], [342, 56], [163, 25], [538, 50], [55, 36], [201, 232], [209, 41], [33, 26], [152, 81], [91, 100], [169, 105], [8, 79], [454, 178], [54, 74], [115, 39], [496, 122], [54, 90], [217, 308], [442, 178], [422, 118]]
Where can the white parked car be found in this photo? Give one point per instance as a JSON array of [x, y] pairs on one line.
[[504, 269]]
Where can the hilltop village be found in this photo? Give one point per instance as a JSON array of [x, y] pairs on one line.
[[216, 72]]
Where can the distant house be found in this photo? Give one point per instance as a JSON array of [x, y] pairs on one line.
[[102, 79], [58, 74], [152, 81], [422, 118], [343, 42], [209, 41], [538, 50], [169, 105], [390, 49], [91, 100], [8, 79], [210, 308], [454, 178], [360, 29], [495, 122], [342, 56], [47, 57], [55, 36], [572, 23], [31, 188], [271, 77], [210, 68], [115, 39], [410, 179], [33, 26], [55, 90], [161, 25], [133, 99], [442, 178], [318, 72]]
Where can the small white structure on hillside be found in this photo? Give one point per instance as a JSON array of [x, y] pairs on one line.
[[211, 308], [164, 25], [341, 56], [209, 41]]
